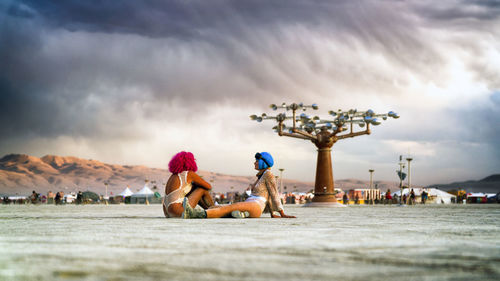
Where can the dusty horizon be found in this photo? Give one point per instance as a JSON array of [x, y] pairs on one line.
[[21, 173]]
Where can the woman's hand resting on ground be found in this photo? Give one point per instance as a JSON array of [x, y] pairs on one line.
[[282, 215]]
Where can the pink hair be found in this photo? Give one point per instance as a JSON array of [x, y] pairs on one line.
[[182, 161]]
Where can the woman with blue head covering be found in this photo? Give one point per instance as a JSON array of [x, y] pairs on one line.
[[264, 159], [264, 196]]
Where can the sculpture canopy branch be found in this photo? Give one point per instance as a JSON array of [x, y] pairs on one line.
[[308, 128], [324, 133]]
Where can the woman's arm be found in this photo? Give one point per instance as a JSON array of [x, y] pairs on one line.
[[274, 200], [283, 215], [198, 181]]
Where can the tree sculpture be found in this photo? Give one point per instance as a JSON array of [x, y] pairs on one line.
[[324, 133]]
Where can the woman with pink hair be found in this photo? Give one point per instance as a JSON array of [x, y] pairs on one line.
[[185, 183]]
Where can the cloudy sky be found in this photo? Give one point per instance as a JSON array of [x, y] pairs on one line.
[[136, 81]]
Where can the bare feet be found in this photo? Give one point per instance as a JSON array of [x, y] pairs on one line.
[[240, 215]]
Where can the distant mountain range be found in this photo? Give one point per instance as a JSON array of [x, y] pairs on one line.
[[490, 184], [20, 174]]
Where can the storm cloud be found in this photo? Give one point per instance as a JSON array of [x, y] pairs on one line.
[[119, 80]]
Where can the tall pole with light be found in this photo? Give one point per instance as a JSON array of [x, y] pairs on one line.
[[409, 172], [211, 180], [402, 176], [106, 195], [371, 185], [324, 133], [145, 184], [281, 180]]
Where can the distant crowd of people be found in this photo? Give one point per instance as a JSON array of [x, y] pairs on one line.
[[37, 198], [58, 198], [387, 198], [285, 198]]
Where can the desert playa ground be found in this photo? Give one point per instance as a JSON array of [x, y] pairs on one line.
[[135, 242]]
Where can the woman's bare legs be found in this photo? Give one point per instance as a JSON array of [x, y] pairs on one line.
[[206, 201], [164, 207], [252, 207], [200, 196], [197, 196]]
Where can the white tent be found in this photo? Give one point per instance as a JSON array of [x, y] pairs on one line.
[[142, 196], [476, 194], [144, 192], [17, 197], [406, 191], [441, 197], [126, 192], [69, 198]]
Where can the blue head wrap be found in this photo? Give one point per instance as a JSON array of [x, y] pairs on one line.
[[265, 160]]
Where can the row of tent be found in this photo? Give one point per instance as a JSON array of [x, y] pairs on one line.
[[442, 197], [144, 192]]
